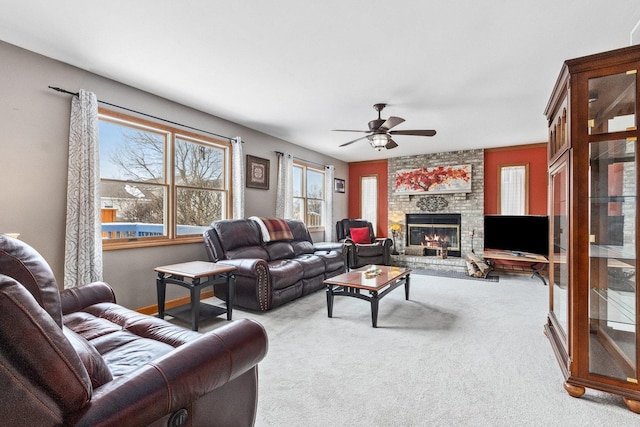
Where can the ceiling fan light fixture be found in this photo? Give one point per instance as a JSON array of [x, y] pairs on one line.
[[378, 141]]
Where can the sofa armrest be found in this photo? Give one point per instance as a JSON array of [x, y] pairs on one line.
[[177, 379], [249, 267], [75, 299]]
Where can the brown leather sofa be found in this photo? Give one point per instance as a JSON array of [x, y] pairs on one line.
[[76, 358], [361, 254], [271, 273]]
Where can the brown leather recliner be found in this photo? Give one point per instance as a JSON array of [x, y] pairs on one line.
[[361, 254], [77, 358], [270, 274]]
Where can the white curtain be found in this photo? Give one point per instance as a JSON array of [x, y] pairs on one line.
[[83, 239], [284, 192], [512, 190], [329, 172], [238, 177]]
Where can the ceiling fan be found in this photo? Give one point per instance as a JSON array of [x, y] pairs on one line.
[[379, 133]]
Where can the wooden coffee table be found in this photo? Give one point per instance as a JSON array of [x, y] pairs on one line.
[[351, 283]]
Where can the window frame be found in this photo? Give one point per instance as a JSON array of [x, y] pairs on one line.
[[171, 188], [376, 209], [305, 167], [525, 165]]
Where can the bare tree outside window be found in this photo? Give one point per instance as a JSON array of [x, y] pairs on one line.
[[143, 183]]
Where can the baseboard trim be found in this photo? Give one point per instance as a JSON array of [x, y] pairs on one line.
[[153, 309]]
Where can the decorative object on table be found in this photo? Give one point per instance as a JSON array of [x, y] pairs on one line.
[[257, 172], [395, 229], [338, 185], [439, 179], [372, 272]]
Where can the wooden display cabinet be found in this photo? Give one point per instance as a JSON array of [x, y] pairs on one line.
[[593, 223]]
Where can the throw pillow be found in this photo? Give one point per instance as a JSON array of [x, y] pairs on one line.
[[360, 235]]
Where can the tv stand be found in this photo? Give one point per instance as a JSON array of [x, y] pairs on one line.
[[516, 261]]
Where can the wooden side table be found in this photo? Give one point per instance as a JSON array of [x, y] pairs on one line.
[[189, 275]]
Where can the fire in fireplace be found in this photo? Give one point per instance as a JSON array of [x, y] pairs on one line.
[[433, 231]]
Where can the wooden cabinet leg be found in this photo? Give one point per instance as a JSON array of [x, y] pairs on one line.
[[633, 405], [573, 390]]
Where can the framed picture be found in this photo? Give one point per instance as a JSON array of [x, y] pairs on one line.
[[439, 179], [338, 185], [257, 172]]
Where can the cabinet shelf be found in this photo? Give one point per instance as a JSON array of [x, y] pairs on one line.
[[621, 303]]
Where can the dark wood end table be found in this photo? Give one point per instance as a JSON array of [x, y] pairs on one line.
[[189, 275], [351, 283]]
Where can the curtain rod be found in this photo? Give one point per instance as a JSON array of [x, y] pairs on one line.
[[280, 153], [57, 89]]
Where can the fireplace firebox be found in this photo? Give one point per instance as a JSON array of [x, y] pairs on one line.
[[430, 232]]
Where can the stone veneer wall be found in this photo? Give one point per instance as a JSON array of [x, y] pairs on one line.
[[469, 205]]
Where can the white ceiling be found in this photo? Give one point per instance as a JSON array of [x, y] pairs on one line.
[[478, 71]]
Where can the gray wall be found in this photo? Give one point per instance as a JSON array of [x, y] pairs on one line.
[[33, 152]]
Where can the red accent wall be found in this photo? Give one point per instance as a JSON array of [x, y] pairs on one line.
[[536, 156], [380, 169]]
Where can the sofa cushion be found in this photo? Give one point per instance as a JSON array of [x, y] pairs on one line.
[[97, 369], [237, 233], [312, 265], [302, 247], [28, 267], [333, 261], [284, 273], [34, 347], [248, 252], [374, 249], [279, 250], [360, 235]]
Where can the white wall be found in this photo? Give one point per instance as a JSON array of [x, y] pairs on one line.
[[34, 132]]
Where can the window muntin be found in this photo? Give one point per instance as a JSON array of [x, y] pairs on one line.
[[158, 183], [308, 195]]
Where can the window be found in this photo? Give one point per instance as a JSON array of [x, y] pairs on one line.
[[308, 195], [158, 184], [369, 199], [513, 185]]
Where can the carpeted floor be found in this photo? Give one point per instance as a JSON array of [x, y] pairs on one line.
[[453, 274], [459, 352]]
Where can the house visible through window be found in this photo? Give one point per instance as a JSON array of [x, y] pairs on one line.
[[513, 192], [158, 183], [308, 195]]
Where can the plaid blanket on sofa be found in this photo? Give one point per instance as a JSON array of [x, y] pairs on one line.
[[273, 229]]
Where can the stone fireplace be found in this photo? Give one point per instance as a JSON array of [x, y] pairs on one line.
[[409, 210]]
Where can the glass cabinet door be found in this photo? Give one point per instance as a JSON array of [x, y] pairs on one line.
[[612, 259], [612, 227], [559, 272]]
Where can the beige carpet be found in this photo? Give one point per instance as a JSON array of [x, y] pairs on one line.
[[460, 352]]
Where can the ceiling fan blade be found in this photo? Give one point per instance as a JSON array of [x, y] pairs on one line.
[[424, 132], [348, 130], [351, 142], [391, 122], [391, 144]]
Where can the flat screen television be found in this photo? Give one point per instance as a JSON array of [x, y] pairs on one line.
[[517, 233]]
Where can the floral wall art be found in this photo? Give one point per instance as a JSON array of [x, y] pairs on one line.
[[439, 179]]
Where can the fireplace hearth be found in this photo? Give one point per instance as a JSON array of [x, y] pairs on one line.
[[433, 232]]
